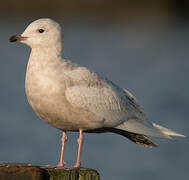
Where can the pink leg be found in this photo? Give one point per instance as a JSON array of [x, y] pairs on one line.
[[64, 139], [61, 162], [80, 143]]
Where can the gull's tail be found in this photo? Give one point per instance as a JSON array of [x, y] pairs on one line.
[[138, 132], [145, 127], [136, 138]]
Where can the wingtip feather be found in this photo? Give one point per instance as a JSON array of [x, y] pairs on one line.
[[167, 131]]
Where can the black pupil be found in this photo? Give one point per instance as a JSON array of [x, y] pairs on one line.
[[41, 30]]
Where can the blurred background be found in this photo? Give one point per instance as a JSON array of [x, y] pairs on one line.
[[140, 45]]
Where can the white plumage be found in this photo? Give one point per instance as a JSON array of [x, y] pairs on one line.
[[72, 98]]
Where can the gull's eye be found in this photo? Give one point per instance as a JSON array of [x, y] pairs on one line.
[[41, 30]]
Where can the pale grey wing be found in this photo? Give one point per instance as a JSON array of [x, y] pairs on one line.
[[113, 106], [102, 101]]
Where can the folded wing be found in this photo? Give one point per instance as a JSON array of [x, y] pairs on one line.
[[114, 106]]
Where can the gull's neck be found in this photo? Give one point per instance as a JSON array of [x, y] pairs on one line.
[[45, 55], [51, 51]]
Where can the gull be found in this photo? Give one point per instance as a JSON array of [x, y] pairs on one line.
[[73, 98]]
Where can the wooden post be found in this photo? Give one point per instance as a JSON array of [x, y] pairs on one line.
[[22, 171]]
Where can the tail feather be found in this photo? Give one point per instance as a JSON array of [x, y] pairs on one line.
[[147, 128], [136, 138]]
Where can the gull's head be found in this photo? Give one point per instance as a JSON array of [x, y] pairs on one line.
[[40, 34]]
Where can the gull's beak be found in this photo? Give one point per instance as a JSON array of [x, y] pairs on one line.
[[16, 38]]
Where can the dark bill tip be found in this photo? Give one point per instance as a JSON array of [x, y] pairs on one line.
[[16, 38]]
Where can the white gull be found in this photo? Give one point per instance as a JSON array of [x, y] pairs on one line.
[[73, 98]]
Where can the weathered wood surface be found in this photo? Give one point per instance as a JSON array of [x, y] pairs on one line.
[[22, 171]]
